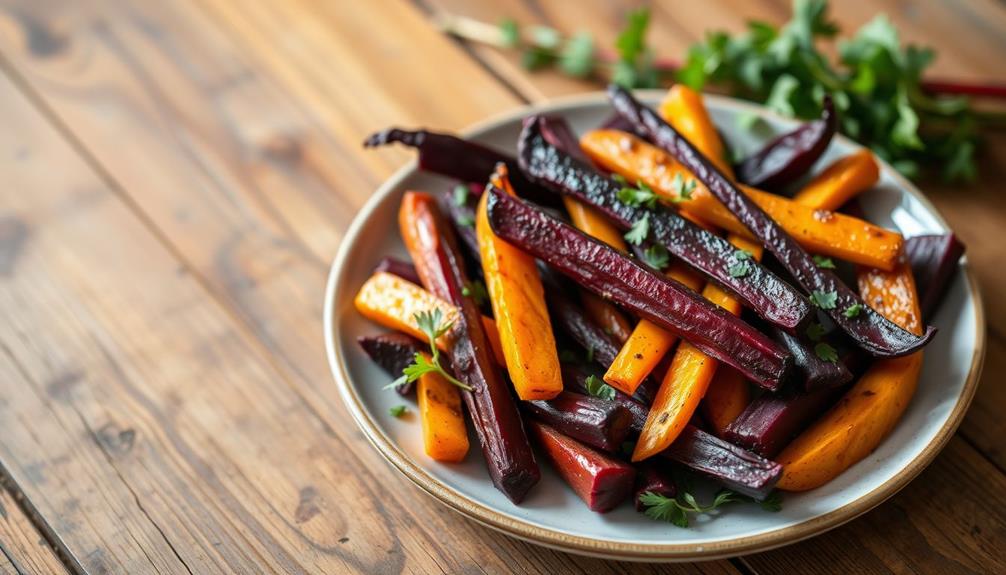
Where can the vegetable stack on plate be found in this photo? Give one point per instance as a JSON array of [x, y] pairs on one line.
[[635, 309]]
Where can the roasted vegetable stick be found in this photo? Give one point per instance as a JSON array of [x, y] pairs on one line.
[[607, 316], [647, 344], [868, 412], [438, 261], [737, 469], [602, 482], [871, 330], [934, 260], [393, 302], [518, 302], [788, 157], [818, 231], [393, 352], [688, 378], [840, 182], [445, 437], [400, 268], [726, 398], [597, 422], [685, 108], [762, 291], [651, 477], [665, 302]]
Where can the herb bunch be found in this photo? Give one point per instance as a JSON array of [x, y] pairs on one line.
[[876, 84]]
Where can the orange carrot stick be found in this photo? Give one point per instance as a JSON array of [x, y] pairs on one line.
[[518, 301], [728, 395], [684, 109], [868, 412], [393, 302], [647, 344], [819, 231], [840, 182], [445, 437]]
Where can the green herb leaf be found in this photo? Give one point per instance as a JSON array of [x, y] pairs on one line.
[[466, 220], [598, 388], [661, 508], [853, 310], [740, 269], [826, 352], [477, 291], [773, 502], [430, 323], [641, 195], [640, 230], [577, 57], [815, 331], [460, 195], [682, 189], [824, 263], [656, 256], [398, 411], [824, 300]]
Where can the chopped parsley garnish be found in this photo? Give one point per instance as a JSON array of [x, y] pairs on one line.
[[639, 231], [825, 352], [656, 256], [398, 411], [815, 332], [640, 196], [824, 263], [853, 310], [431, 324], [824, 299], [598, 388], [682, 189], [460, 195], [477, 291]]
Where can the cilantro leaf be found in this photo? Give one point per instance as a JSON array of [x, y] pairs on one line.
[[656, 256], [598, 388], [825, 352], [853, 310], [640, 230], [824, 263], [824, 300]]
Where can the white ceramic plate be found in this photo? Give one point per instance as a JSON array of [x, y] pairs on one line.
[[552, 514]]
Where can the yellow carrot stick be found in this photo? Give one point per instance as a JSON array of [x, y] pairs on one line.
[[518, 301], [445, 437]]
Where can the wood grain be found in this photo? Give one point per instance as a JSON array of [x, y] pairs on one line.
[[177, 177], [23, 549], [235, 273]]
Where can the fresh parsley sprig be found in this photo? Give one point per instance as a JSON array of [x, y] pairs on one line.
[[597, 388], [430, 323], [676, 510], [639, 231]]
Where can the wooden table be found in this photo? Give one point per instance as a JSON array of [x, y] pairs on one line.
[[176, 179]]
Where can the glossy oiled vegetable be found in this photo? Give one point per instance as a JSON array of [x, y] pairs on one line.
[[591, 222], [462, 217], [934, 261], [652, 477], [685, 108], [771, 421], [647, 344], [574, 377], [599, 423], [665, 302], [868, 412], [737, 469], [518, 302], [445, 437], [840, 182], [788, 157], [687, 379], [393, 352], [819, 231], [762, 291], [434, 251], [393, 302], [871, 331], [812, 372], [602, 482], [400, 268], [726, 398]]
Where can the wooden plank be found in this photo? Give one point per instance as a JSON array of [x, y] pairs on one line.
[[184, 175], [22, 546], [962, 528]]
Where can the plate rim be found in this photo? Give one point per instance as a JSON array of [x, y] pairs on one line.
[[621, 550]]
